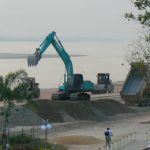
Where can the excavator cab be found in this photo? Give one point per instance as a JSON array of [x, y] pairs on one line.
[[75, 82]]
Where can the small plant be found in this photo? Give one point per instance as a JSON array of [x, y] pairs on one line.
[[19, 139], [26, 142]]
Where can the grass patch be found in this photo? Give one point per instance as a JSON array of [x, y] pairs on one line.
[[26, 142]]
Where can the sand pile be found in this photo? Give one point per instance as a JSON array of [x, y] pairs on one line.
[[68, 111], [24, 117]]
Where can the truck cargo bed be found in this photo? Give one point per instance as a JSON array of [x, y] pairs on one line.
[[134, 86]]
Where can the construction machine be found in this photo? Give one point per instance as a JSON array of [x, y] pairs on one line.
[[33, 87], [74, 86], [136, 87], [103, 85]]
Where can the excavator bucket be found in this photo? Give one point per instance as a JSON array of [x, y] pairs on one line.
[[32, 60]]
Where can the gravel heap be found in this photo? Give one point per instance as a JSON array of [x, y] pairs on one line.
[[25, 117], [68, 111]]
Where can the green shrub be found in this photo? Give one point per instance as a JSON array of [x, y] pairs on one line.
[[20, 139]]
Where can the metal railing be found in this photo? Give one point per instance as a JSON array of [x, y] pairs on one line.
[[120, 142]]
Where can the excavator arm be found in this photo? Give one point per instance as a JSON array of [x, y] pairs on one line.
[[52, 39]]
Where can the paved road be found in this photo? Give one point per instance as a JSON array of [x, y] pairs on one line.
[[137, 145], [140, 142]]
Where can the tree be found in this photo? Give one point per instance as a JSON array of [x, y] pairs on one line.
[[12, 89], [138, 55], [139, 50], [143, 17]]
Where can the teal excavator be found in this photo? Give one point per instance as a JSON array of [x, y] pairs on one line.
[[74, 86]]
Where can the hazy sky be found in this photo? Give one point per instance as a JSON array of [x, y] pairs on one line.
[[69, 18]]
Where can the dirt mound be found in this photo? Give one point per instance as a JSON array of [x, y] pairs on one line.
[[26, 117], [76, 140], [66, 111]]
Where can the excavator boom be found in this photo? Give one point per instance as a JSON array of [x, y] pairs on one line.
[[51, 39]]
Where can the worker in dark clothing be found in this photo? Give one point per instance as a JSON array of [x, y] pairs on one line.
[[108, 135]]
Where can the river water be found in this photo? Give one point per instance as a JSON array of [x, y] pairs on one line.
[[99, 57]]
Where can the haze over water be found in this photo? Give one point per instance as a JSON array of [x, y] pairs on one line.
[[104, 57]]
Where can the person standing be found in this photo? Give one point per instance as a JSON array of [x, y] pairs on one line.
[[108, 135]]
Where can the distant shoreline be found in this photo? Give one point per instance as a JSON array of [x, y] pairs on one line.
[[24, 56]]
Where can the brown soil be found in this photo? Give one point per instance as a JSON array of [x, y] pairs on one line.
[[76, 140]]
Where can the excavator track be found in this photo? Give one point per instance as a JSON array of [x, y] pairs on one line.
[[80, 96], [72, 96], [60, 96]]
